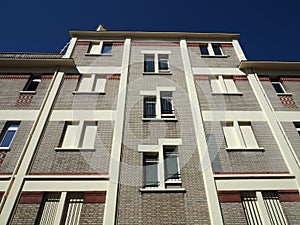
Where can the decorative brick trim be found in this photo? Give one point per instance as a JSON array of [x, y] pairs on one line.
[[193, 44], [2, 156], [239, 78], [113, 77], [264, 78], [155, 43], [31, 198], [118, 43], [14, 76], [94, 197], [67, 173], [253, 172], [83, 42], [47, 77], [229, 196], [226, 44], [291, 79], [24, 99], [201, 77], [71, 77], [288, 195], [288, 101]]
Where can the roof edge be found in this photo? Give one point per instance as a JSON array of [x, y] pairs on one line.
[[270, 65]]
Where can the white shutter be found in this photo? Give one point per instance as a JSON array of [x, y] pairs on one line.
[[100, 84], [85, 83], [74, 210], [49, 210], [251, 209], [215, 87], [231, 137], [89, 130], [230, 85], [95, 48], [248, 136], [71, 136]]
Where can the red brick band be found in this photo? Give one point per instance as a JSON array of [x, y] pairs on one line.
[[67, 173], [201, 77], [24, 99], [288, 195], [253, 172], [155, 44], [14, 76], [239, 78], [113, 77], [94, 197], [229, 196], [83, 42], [71, 77], [292, 79], [47, 77], [193, 44], [31, 198], [226, 44], [264, 78], [118, 43]]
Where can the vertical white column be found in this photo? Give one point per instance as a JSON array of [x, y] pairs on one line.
[[60, 208], [238, 50], [208, 178], [114, 169], [70, 48]]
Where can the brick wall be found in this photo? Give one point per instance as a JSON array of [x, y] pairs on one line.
[[244, 161], [291, 211], [233, 213], [49, 161], [293, 136]]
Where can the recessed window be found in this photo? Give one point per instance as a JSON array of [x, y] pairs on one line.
[[150, 107], [211, 50], [171, 163], [106, 48], [8, 133], [149, 63], [204, 49], [223, 84], [166, 101], [297, 126], [163, 62], [217, 49], [100, 47], [278, 87], [32, 83], [92, 83], [156, 62], [151, 171]]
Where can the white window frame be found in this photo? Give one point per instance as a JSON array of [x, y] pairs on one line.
[[157, 95], [281, 86], [77, 139], [157, 55], [32, 79], [8, 127], [89, 85], [210, 49], [239, 136], [169, 184], [99, 48], [223, 85]]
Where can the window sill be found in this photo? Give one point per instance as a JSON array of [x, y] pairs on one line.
[[159, 73], [4, 148], [162, 190], [284, 94], [88, 93], [214, 56], [159, 119], [94, 54], [245, 149], [227, 93], [74, 149], [27, 92], [173, 182]]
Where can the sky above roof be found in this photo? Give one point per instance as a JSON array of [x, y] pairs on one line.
[[269, 29]]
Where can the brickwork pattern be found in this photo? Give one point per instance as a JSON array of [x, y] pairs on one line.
[[291, 211], [135, 207], [226, 62], [67, 100], [17, 145], [114, 60], [47, 160], [233, 213], [270, 160], [92, 214], [25, 214], [9, 92], [207, 101], [293, 136]]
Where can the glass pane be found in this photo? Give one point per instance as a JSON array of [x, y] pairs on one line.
[[100, 84], [89, 130], [217, 49], [106, 48], [166, 103], [32, 84], [94, 48], [278, 88], [163, 63], [149, 63], [204, 50], [171, 164], [151, 171], [149, 107], [8, 138]]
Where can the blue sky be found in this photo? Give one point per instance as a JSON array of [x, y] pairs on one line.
[[269, 29]]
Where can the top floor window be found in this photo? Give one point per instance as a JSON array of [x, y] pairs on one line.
[[278, 88], [217, 49], [204, 49], [8, 134], [100, 48], [156, 61], [106, 48], [32, 83], [211, 50]]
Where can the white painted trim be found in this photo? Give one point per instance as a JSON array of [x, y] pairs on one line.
[[60, 208], [18, 115], [4, 184], [66, 177], [70, 48], [87, 115], [288, 116], [169, 141], [98, 69], [114, 169], [252, 176], [262, 209], [209, 182], [148, 148], [165, 89], [233, 116], [238, 50], [163, 190], [148, 93], [156, 52], [215, 71]]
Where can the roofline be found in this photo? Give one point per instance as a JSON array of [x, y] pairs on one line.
[[269, 65], [9, 62], [146, 34]]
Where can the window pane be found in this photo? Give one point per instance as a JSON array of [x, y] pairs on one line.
[[149, 63], [86, 82], [230, 85], [215, 85], [10, 132], [217, 49], [278, 87], [204, 50], [32, 84], [163, 62], [94, 48], [149, 107], [166, 102], [297, 126], [89, 131], [171, 163], [71, 136], [151, 171], [106, 48], [100, 84], [231, 137], [248, 136]]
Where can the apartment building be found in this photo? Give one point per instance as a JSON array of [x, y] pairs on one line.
[[149, 128]]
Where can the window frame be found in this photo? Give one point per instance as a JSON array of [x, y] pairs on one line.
[[285, 93], [31, 80], [158, 57], [223, 85], [211, 51], [89, 85], [9, 126], [99, 50], [81, 135]]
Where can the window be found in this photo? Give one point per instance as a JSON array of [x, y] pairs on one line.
[[32, 83], [204, 49], [278, 88], [217, 49], [211, 50], [223, 85], [79, 135], [297, 126], [156, 61], [262, 206], [100, 48], [161, 165], [239, 136], [91, 83], [158, 105], [51, 212], [8, 134]]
